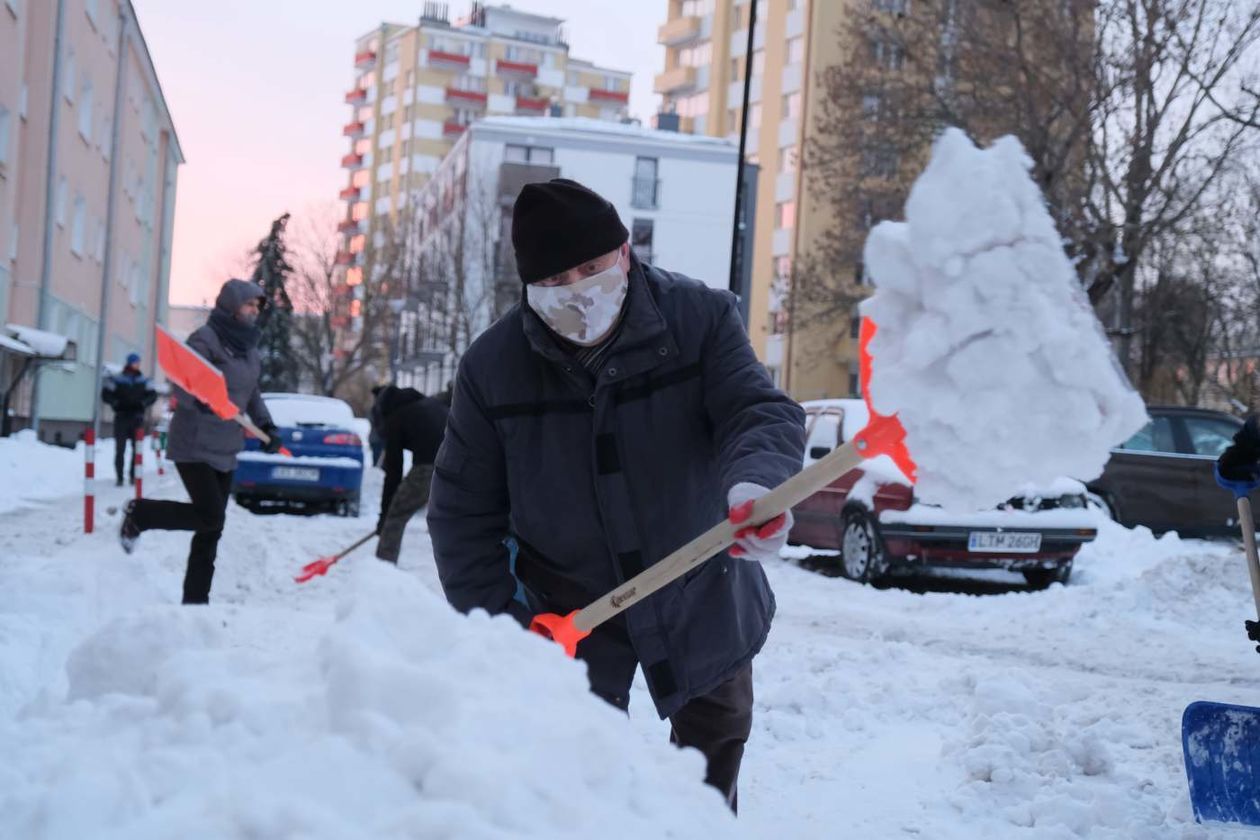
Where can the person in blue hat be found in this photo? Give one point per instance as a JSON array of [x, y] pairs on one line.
[[129, 393]]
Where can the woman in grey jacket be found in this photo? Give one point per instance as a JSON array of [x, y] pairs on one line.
[[204, 446]]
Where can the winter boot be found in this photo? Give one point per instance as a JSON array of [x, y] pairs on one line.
[[129, 533], [118, 481]]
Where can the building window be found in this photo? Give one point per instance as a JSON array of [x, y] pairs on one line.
[[796, 50], [759, 63], [612, 83], [5, 130], [78, 227], [68, 77], [475, 84], [59, 203], [15, 6], [698, 56], [897, 7], [887, 54], [641, 239], [787, 160], [754, 116], [85, 110], [792, 106], [696, 8], [785, 214], [572, 77], [735, 77], [89, 6], [643, 194], [872, 104], [528, 154], [879, 162]]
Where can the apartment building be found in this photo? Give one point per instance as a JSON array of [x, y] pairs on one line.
[[419, 87], [706, 59], [81, 109], [672, 191]]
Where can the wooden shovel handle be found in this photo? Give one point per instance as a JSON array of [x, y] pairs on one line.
[[1248, 524], [258, 433]]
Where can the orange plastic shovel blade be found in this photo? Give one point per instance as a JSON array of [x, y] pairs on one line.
[[189, 370], [559, 629], [883, 435], [319, 567]]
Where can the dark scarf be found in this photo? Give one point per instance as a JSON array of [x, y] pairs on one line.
[[237, 335]]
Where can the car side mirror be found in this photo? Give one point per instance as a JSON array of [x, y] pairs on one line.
[[819, 452]]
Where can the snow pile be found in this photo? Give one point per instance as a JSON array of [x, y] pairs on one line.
[[986, 347], [43, 471], [403, 720]]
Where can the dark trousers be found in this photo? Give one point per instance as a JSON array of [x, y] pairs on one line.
[[125, 426], [209, 491], [411, 495], [717, 723]]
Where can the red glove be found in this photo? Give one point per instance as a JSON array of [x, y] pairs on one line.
[[756, 542]]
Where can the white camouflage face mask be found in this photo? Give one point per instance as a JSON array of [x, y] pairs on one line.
[[584, 312]]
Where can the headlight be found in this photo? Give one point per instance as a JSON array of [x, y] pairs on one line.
[[1071, 501]]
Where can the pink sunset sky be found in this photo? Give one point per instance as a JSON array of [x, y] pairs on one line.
[[255, 90]]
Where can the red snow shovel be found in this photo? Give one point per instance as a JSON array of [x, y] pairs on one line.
[[882, 436], [1220, 741], [191, 371], [323, 564]]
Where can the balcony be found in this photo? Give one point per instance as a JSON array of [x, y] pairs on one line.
[[355, 129], [364, 60], [516, 68], [358, 96], [450, 128], [675, 81], [344, 258], [352, 161], [349, 226], [597, 95], [464, 98], [448, 60], [532, 104], [349, 194], [678, 31]]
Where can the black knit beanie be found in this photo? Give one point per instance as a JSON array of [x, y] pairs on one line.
[[560, 224]]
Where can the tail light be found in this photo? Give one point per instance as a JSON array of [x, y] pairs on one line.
[[342, 439]]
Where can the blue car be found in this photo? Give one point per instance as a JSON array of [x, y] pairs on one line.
[[325, 472]]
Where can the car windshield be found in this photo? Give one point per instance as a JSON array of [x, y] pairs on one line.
[[321, 411]]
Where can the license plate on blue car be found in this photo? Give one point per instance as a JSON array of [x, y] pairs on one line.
[[295, 473], [1004, 543]]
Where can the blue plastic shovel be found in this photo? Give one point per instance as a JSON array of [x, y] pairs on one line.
[[1221, 742]]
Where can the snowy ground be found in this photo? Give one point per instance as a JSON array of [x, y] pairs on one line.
[[880, 713]]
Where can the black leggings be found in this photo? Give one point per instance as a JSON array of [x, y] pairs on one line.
[[209, 490]]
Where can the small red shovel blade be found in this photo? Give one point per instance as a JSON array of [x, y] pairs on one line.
[[319, 567], [560, 629]]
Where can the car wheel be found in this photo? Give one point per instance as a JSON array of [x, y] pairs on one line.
[[1100, 503], [1043, 578], [352, 508], [861, 549]]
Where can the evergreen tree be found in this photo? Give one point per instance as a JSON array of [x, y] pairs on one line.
[[271, 272]]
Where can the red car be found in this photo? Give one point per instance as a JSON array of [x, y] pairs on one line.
[[871, 517]]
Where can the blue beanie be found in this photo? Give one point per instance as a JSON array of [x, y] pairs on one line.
[[133, 359]]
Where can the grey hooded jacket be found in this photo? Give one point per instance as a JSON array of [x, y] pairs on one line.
[[604, 475], [197, 434]]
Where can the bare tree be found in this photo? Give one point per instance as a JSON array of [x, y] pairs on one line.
[[319, 292], [1130, 110]]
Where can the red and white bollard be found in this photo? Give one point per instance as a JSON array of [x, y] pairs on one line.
[[157, 453], [139, 449], [89, 480]]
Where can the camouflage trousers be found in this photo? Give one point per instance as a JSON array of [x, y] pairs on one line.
[[412, 494]]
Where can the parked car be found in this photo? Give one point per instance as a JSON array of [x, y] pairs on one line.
[[871, 517], [1162, 477], [325, 472]]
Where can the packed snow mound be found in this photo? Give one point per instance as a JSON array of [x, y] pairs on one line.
[[986, 348], [403, 720], [46, 472]]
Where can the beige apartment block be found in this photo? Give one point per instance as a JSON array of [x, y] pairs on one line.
[[416, 90], [706, 59], [66, 249]]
